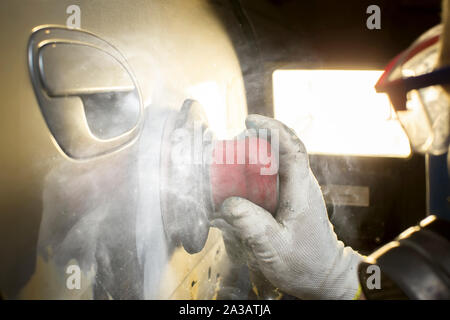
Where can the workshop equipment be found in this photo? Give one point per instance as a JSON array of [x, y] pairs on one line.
[[198, 173]]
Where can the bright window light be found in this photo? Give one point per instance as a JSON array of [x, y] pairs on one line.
[[339, 112]]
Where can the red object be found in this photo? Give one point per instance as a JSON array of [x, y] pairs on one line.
[[247, 169], [397, 88]]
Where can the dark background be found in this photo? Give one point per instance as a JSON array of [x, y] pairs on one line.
[[328, 34]]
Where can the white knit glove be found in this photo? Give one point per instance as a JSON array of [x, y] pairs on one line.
[[297, 251]]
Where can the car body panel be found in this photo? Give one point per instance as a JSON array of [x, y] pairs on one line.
[[102, 214]]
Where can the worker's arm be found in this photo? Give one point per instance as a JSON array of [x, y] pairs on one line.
[[297, 251]]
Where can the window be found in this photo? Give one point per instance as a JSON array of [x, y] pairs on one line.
[[339, 112]]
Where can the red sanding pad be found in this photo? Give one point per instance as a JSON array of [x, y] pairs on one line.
[[245, 168]]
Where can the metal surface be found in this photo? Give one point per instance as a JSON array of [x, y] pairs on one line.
[[61, 63], [415, 266], [102, 213]]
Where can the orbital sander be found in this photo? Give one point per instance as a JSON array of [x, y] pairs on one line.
[[199, 172]]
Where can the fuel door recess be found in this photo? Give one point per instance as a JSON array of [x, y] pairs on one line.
[[86, 91]]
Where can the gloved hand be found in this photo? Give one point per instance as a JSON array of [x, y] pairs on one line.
[[297, 251]]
